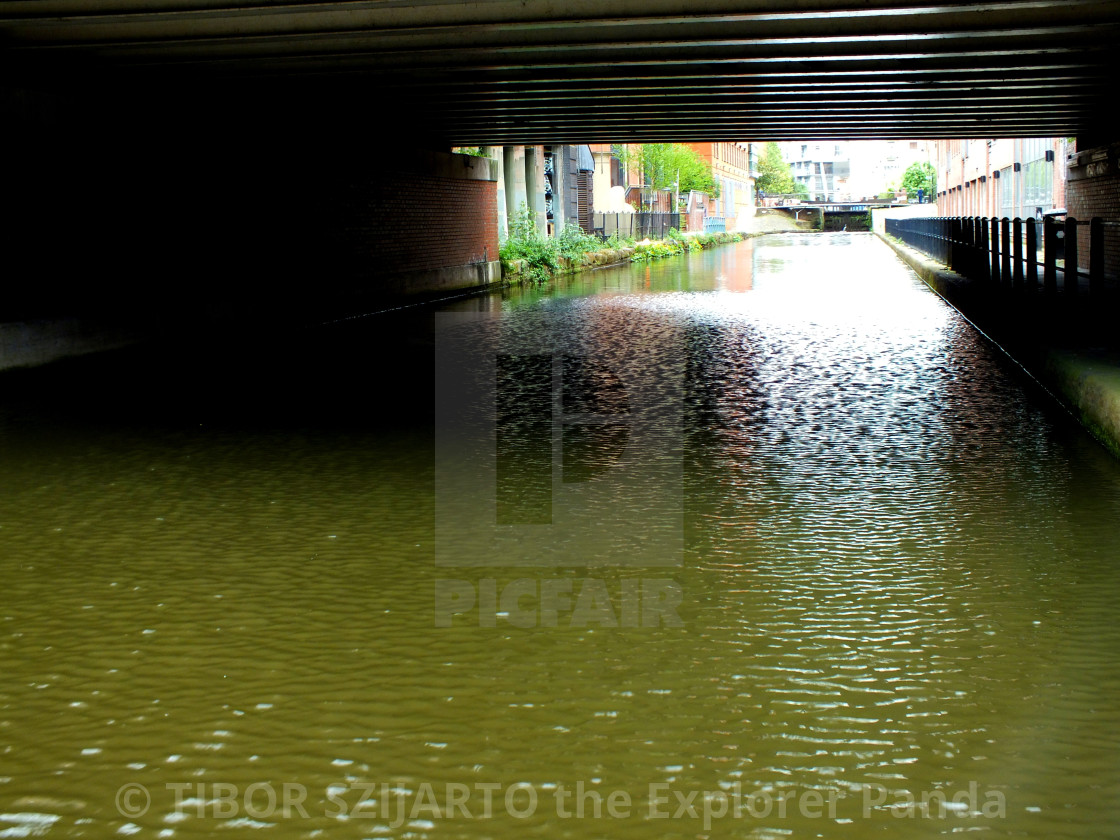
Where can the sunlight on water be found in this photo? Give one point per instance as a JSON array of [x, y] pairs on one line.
[[884, 600]]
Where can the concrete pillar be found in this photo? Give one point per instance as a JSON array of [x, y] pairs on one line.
[[496, 153], [534, 184], [510, 181]]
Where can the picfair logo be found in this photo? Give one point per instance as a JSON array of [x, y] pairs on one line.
[[555, 447]]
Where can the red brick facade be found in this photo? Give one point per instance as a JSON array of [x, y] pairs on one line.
[[411, 223], [1094, 190]]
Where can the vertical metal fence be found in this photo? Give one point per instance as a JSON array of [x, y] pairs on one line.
[[635, 225], [1006, 252]]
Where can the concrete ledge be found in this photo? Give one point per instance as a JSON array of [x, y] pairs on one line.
[[1086, 381], [447, 165], [32, 343], [476, 275]]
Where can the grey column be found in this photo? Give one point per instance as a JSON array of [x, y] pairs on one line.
[[534, 184]]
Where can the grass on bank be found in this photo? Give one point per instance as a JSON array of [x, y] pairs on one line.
[[540, 256]]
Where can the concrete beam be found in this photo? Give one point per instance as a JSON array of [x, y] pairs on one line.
[[527, 72]]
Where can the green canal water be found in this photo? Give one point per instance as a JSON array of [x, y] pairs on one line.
[[761, 542]]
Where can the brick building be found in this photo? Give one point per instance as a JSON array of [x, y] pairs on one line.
[[734, 168], [1005, 178]]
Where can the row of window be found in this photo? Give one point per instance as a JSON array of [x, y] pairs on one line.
[[733, 154], [1025, 194]]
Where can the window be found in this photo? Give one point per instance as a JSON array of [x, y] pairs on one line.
[[1038, 188], [1007, 193]]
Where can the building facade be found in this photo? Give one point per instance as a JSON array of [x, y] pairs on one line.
[[1022, 178], [823, 168], [853, 171], [734, 168]]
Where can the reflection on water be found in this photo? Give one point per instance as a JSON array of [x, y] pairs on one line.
[[899, 576]]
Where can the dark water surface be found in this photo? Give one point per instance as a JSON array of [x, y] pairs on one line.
[[883, 568]]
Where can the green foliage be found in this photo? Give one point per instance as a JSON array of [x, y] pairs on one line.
[[662, 163], [615, 242], [574, 243], [541, 256], [678, 243], [473, 151], [920, 176], [775, 177], [540, 253]]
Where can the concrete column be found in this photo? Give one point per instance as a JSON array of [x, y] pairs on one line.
[[514, 177], [496, 153], [534, 184]]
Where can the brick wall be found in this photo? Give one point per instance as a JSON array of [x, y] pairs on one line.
[[1093, 189], [409, 223]]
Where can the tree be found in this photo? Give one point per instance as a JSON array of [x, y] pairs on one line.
[[919, 176], [775, 177], [662, 163]]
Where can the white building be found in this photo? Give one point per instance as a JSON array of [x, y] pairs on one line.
[[853, 170], [823, 168]]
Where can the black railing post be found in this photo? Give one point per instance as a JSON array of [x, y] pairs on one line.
[[1096, 256], [1032, 255], [1005, 254], [1071, 258], [954, 226], [1017, 233], [1049, 254], [994, 248], [980, 251], [984, 247], [966, 246]]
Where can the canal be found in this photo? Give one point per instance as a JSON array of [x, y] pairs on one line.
[[761, 542]]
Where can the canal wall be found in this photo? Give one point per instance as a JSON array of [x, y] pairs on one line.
[[1086, 380]]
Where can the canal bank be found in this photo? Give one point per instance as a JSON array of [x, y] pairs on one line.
[[1085, 378], [545, 258]]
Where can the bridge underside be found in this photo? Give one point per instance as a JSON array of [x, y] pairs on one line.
[[535, 71]]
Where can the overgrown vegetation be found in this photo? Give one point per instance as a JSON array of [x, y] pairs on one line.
[[540, 253], [679, 243], [574, 243], [616, 241], [539, 256]]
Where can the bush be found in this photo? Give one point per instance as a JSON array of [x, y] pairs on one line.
[[540, 253], [574, 243], [678, 243], [615, 242]]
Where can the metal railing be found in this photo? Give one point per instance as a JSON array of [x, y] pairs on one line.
[[1005, 252], [635, 225], [715, 224]]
